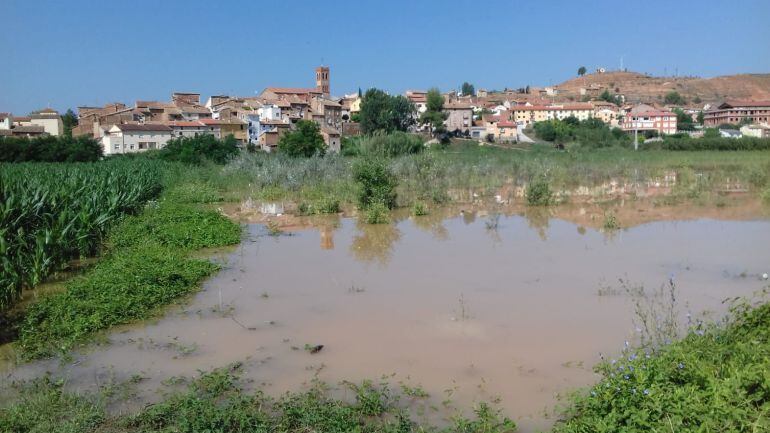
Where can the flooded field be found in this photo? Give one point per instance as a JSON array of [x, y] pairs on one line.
[[471, 306]]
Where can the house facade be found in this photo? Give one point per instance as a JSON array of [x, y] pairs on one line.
[[646, 118], [133, 138], [459, 117]]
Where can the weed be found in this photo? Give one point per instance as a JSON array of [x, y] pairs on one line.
[[419, 209], [377, 213], [539, 193], [610, 221]]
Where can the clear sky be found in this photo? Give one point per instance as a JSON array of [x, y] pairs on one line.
[[70, 53]]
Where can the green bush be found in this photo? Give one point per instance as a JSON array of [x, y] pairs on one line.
[[328, 205], [196, 150], [714, 380], [377, 213], [63, 148], [538, 192], [377, 185], [419, 209]]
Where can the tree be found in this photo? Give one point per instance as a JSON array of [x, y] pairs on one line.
[[609, 97], [306, 140], [468, 89], [382, 112], [674, 98], [434, 115], [582, 70], [700, 117], [683, 120], [70, 120]]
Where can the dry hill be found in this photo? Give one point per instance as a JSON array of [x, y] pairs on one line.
[[644, 88]]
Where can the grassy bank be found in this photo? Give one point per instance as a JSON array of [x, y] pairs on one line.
[[146, 266], [218, 402], [716, 379]]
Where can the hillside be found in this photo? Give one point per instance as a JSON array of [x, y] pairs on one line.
[[644, 88]]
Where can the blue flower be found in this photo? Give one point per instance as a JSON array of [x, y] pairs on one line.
[[681, 366], [625, 377], [593, 393], [646, 392]]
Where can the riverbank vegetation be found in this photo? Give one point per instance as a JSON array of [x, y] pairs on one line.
[[218, 401], [714, 379], [144, 216]]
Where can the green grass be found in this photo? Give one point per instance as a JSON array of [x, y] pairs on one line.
[[146, 267], [457, 172], [217, 402], [716, 379]]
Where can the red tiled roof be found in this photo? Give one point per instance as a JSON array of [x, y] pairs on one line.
[[734, 104], [506, 124], [185, 124], [143, 127]]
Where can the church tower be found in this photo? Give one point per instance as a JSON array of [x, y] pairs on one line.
[[322, 79]]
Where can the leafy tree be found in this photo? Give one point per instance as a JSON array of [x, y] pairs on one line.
[[582, 71], [609, 97], [434, 114], [382, 112], [674, 98], [468, 89], [195, 150], [700, 117], [70, 120], [64, 148], [683, 120], [306, 140]]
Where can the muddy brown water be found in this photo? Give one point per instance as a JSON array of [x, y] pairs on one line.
[[466, 312]]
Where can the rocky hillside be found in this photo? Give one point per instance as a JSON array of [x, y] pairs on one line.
[[644, 88]]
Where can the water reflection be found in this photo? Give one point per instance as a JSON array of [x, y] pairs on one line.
[[373, 243]]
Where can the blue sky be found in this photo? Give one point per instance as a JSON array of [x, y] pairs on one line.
[[70, 53]]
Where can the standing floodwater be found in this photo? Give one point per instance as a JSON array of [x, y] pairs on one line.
[[471, 308]]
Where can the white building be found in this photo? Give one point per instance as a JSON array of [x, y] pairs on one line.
[[49, 119], [6, 121], [132, 138]]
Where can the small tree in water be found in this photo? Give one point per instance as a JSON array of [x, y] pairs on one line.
[[377, 184]]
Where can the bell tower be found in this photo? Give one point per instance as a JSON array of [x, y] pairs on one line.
[[322, 79]]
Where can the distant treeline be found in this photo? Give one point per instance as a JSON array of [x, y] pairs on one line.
[[49, 149]]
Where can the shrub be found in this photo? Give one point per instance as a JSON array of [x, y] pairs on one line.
[[196, 150], [328, 205], [419, 209], [376, 183], [377, 213], [539, 192]]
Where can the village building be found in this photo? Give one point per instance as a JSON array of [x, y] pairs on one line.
[[758, 130], [235, 127], [49, 119], [133, 138], [459, 117], [646, 118], [189, 129], [736, 112], [530, 114]]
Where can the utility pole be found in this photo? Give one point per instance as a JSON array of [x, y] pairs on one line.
[[636, 138]]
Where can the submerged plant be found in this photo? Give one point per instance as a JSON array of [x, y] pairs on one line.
[[539, 193], [377, 213]]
